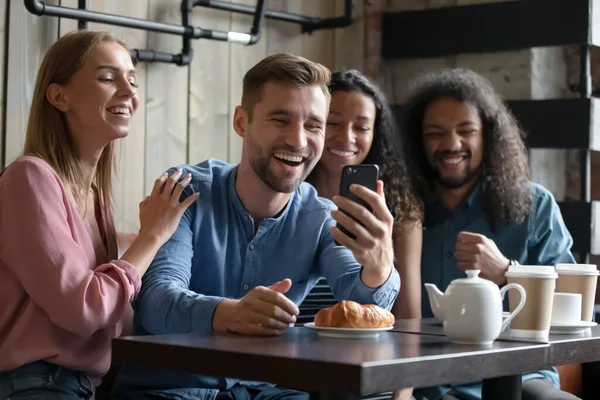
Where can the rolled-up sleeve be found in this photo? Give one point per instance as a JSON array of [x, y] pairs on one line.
[[166, 304], [549, 239], [38, 247]]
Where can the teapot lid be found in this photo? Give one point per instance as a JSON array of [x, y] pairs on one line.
[[472, 279]]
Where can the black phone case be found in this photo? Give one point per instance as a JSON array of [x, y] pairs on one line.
[[363, 174]]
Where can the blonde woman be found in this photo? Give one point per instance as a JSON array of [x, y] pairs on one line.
[[64, 290]]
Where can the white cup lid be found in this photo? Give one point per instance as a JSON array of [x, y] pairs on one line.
[[577, 269], [532, 271]]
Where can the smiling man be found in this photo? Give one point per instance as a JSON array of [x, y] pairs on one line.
[[258, 239], [481, 210]]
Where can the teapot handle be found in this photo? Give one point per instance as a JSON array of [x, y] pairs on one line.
[[519, 307]]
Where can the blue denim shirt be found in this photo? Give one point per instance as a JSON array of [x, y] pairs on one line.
[[541, 239], [215, 254]]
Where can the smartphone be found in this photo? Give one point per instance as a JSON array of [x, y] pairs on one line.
[[362, 174]]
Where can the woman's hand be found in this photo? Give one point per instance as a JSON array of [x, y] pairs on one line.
[[161, 211], [160, 214]]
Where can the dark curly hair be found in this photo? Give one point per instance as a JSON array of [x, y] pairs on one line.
[[505, 160], [386, 149]]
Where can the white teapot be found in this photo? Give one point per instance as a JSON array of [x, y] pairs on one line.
[[471, 308]]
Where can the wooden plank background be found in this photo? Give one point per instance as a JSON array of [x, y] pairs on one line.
[[3, 10], [185, 113], [29, 37]]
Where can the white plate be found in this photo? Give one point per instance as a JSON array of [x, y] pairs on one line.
[[347, 333], [571, 329]]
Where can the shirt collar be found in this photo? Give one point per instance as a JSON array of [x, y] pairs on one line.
[[436, 211], [476, 192]]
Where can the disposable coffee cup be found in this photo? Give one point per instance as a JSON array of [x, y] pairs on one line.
[[539, 281], [582, 279]]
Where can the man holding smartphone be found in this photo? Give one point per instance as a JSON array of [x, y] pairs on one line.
[[258, 238]]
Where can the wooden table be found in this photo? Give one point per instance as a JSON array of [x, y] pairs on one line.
[[303, 360], [431, 326], [564, 349]]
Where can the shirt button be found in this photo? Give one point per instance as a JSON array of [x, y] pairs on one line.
[[246, 286], [449, 254], [379, 296], [251, 247]]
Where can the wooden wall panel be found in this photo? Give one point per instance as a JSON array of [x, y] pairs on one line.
[[242, 58], [209, 119], [29, 38], [337, 49], [68, 25], [283, 37], [3, 32], [318, 46], [349, 42], [166, 98]]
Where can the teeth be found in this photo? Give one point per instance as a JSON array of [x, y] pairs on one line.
[[454, 160], [342, 153], [288, 157], [119, 110]]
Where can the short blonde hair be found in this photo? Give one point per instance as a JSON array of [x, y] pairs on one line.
[[282, 67], [48, 134]]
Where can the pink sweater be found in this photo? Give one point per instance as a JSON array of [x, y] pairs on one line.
[[61, 297]]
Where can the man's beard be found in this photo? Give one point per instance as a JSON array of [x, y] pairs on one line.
[[458, 182], [260, 161]]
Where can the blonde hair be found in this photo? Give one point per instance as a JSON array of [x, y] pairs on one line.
[[48, 134], [282, 67]]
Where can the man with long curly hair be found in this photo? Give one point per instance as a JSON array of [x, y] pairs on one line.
[[481, 210]]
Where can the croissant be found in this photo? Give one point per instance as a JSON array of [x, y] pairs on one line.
[[349, 314]]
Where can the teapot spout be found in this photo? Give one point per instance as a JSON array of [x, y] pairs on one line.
[[435, 301]]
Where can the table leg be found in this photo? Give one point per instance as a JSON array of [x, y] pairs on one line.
[[502, 388]]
